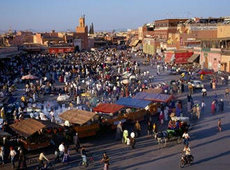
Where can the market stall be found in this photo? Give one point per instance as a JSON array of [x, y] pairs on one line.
[[83, 122], [34, 134], [137, 109], [110, 113], [154, 97]]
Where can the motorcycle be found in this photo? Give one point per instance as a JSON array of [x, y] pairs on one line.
[[186, 159]]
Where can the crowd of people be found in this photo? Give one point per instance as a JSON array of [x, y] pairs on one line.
[[87, 78]]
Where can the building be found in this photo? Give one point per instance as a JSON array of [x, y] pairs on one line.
[[82, 33], [223, 31], [166, 26]]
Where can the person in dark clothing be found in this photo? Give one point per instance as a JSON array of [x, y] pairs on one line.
[[21, 160], [150, 128], [221, 105], [105, 160], [76, 142]]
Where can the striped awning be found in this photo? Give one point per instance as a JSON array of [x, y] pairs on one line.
[[193, 58]]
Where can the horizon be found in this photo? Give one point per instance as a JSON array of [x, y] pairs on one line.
[[107, 15]]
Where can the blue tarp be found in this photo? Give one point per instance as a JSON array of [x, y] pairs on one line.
[[153, 97], [133, 103]]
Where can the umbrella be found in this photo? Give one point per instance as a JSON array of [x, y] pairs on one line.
[[205, 72], [63, 98], [86, 94], [29, 77]]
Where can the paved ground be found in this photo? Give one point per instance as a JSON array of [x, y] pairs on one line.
[[210, 148]]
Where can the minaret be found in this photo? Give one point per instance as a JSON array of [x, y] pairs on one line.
[[82, 32]]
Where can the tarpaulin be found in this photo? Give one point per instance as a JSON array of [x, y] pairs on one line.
[[182, 58], [168, 57], [107, 108], [154, 97], [133, 103]]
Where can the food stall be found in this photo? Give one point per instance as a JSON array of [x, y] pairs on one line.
[[83, 122], [138, 108], [155, 98], [110, 113], [34, 133]]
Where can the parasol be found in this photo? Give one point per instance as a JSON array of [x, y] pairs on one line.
[[29, 77], [63, 98]]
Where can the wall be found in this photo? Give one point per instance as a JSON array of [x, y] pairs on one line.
[[225, 63], [210, 58], [223, 31]]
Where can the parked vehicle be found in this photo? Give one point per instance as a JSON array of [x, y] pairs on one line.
[[197, 84]]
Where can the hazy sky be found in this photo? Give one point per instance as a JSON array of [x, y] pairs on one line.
[[61, 15]]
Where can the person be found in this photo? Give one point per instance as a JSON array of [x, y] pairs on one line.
[[41, 159], [219, 125], [186, 138], [119, 131], [2, 160], [198, 111], [61, 149], [12, 156], [149, 128], [227, 92], [105, 159], [137, 128], [57, 155], [202, 106], [213, 107], [221, 105], [21, 160], [76, 142], [132, 140], [161, 118], [66, 155], [84, 155], [155, 129], [204, 92], [125, 136]]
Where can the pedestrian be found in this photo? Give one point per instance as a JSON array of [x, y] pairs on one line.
[[186, 138], [21, 160], [198, 111], [2, 160], [211, 84], [76, 142], [119, 131], [137, 128], [227, 92], [161, 118], [155, 129], [219, 125], [12, 156], [213, 107], [202, 106], [149, 126], [105, 159], [61, 149], [125, 136], [221, 105]]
